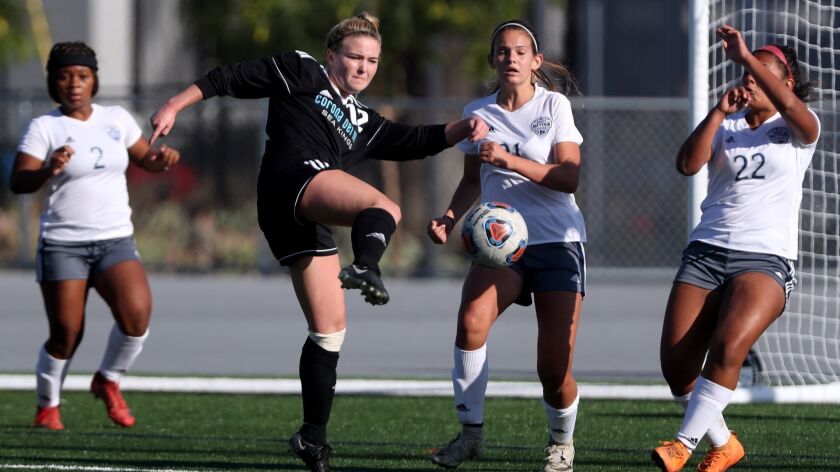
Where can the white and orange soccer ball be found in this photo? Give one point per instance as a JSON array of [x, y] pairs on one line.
[[494, 234]]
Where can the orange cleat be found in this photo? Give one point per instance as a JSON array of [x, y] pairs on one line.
[[671, 456], [48, 418], [109, 392], [722, 458]]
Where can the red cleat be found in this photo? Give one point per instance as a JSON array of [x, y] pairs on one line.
[[110, 393], [48, 418]]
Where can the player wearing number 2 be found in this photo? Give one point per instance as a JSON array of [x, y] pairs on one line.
[[80, 152], [737, 271], [530, 160]]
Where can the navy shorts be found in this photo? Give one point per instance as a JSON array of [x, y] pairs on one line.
[[551, 267], [279, 189], [70, 260], [711, 267]]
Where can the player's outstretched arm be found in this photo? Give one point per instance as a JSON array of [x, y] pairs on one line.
[[164, 119], [472, 128]]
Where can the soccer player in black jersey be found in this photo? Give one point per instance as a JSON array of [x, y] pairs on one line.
[[316, 129]]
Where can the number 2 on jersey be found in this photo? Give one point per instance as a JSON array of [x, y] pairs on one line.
[[98, 153], [743, 172]]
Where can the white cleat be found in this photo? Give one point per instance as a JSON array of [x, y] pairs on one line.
[[559, 457]]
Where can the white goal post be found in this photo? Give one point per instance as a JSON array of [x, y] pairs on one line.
[[803, 346]]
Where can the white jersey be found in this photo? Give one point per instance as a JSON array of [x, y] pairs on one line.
[[755, 187], [88, 201], [530, 132]]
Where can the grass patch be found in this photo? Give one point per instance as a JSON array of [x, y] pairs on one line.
[[249, 433]]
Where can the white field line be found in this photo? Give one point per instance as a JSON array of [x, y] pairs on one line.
[[87, 468], [829, 393]]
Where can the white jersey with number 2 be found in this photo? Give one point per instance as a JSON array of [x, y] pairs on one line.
[[88, 201], [755, 187], [530, 132]]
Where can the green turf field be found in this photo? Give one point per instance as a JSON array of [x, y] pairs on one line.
[[248, 433]]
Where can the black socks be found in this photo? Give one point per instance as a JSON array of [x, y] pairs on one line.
[[370, 235], [317, 384]]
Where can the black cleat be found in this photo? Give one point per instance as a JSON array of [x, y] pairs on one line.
[[316, 457], [367, 280]]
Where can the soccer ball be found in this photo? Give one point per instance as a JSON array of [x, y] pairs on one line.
[[494, 234]]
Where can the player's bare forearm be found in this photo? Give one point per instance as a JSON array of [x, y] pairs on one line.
[[29, 180], [795, 112], [465, 195], [696, 150], [164, 119], [563, 177]]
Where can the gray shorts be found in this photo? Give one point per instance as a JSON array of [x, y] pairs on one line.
[[65, 260], [711, 267], [551, 267]]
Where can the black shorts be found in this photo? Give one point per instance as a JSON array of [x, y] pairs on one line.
[[279, 190], [551, 267]]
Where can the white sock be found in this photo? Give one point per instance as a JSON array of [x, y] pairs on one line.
[[49, 375], [561, 422], [718, 433], [706, 404], [469, 379], [120, 354]]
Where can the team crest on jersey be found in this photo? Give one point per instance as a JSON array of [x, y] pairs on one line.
[[779, 135], [541, 125], [113, 132]]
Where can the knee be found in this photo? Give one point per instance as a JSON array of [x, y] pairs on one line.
[[134, 321], [392, 208], [64, 344], [331, 342], [473, 329]]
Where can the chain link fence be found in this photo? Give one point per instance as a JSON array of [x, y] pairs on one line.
[[201, 215]]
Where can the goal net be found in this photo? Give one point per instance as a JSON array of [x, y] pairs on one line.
[[803, 346]]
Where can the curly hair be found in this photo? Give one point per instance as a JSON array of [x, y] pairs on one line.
[[801, 85], [69, 54]]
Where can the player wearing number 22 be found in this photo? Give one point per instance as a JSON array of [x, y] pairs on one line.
[[737, 270], [80, 152], [530, 160]]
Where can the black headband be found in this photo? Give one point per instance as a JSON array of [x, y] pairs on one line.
[[65, 60]]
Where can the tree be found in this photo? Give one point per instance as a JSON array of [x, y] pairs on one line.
[[15, 37], [415, 33]]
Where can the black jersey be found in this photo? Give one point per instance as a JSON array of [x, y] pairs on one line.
[[308, 119]]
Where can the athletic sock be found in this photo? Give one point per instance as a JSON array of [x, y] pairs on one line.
[[706, 404], [718, 433], [469, 379], [317, 384], [370, 235], [120, 354], [561, 421], [49, 374]]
